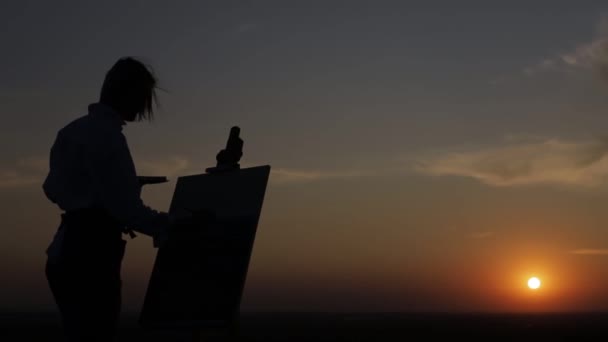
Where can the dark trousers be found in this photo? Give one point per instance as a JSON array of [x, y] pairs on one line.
[[85, 278]]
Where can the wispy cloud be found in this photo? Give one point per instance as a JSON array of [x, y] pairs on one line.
[[23, 172], [282, 175], [170, 167], [246, 27], [481, 235], [176, 166], [592, 55], [589, 251], [32, 170], [551, 161], [544, 65]]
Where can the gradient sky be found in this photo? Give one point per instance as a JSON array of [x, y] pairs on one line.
[[426, 155]]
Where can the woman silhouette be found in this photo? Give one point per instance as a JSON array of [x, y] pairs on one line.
[[92, 178]]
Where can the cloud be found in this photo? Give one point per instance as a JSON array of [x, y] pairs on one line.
[[12, 179], [23, 172], [176, 166], [481, 235], [32, 170], [170, 167], [282, 176], [592, 55], [552, 161], [244, 28], [544, 65], [589, 251]]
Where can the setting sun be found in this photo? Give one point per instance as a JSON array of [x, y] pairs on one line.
[[533, 283]]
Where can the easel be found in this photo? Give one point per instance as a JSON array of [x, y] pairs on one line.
[[199, 275]]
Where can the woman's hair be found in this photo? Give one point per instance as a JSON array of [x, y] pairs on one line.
[[130, 87]]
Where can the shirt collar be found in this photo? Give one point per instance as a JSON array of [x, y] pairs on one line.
[[103, 110]]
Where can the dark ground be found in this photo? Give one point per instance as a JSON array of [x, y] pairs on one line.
[[351, 327]]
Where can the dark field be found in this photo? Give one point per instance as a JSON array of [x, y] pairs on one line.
[[351, 327]]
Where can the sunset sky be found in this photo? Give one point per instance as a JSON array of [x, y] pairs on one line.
[[427, 155]]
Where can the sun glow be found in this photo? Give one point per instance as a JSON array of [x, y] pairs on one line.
[[533, 283]]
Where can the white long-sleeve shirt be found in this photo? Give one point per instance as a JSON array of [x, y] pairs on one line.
[[91, 166]]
